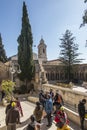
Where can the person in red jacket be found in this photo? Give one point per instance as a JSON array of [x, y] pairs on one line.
[[61, 119], [18, 104]]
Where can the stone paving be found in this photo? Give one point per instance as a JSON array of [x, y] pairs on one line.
[[28, 110]]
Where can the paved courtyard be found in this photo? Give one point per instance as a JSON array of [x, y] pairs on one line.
[[28, 110]]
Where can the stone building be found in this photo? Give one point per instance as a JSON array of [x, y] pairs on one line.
[[53, 70], [45, 71]]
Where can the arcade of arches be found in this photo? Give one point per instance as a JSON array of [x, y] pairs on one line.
[[55, 72]]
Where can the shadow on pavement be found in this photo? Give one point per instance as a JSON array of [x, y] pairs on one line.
[[26, 122]]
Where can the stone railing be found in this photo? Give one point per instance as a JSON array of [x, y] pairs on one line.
[[84, 85]]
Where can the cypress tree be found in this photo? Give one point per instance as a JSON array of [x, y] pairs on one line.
[[68, 53], [25, 53], [3, 56]]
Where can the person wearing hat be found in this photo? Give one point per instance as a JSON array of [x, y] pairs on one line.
[[61, 119], [12, 117]]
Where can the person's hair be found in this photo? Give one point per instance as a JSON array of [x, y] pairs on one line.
[[10, 101], [32, 118], [16, 98], [38, 103], [48, 96], [84, 100]]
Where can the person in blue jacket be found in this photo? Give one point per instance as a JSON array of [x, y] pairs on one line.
[[48, 109]]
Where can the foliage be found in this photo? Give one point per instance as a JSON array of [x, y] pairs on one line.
[[85, 1], [68, 53], [7, 86], [3, 56], [25, 53], [84, 16]]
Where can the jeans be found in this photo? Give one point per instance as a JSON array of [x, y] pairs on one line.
[[49, 118]]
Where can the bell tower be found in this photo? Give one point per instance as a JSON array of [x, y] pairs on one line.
[[42, 53]]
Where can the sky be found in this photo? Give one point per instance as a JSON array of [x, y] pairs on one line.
[[49, 19]]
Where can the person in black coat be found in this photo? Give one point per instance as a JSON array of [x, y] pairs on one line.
[[81, 111], [3, 94], [8, 107]]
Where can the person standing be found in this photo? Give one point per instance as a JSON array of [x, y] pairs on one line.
[[58, 101], [61, 119], [52, 93], [12, 117], [38, 113], [42, 98], [81, 111], [8, 107], [48, 109], [3, 94], [19, 106]]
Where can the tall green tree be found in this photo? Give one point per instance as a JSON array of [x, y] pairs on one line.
[[25, 53], [84, 16], [68, 53], [3, 56]]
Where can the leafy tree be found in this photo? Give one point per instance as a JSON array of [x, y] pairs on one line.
[[25, 53], [68, 53], [3, 56], [8, 87]]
